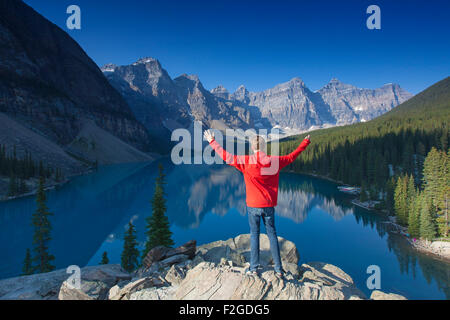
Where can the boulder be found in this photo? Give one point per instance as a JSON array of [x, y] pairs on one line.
[[96, 280], [123, 290], [380, 295], [156, 254], [237, 250], [209, 281], [175, 275], [160, 253], [95, 283], [42, 286], [179, 258], [441, 248]]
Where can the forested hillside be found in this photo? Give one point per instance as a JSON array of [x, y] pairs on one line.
[[384, 153]]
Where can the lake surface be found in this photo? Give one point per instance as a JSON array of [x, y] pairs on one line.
[[207, 203]]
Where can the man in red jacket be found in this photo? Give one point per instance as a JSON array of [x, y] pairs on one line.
[[261, 176]]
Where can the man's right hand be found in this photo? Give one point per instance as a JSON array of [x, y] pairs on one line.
[[308, 137]]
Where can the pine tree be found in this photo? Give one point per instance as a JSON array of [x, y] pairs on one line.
[[427, 225], [41, 236], [436, 179], [130, 254], [414, 217], [400, 199], [105, 259], [27, 268], [431, 174], [443, 196], [158, 227], [390, 187]]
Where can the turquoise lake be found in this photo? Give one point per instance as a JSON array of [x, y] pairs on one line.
[[207, 203]]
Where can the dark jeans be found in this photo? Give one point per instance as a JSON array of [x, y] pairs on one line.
[[254, 219]]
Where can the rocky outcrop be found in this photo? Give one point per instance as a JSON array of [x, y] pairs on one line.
[[212, 271], [95, 284], [218, 272], [380, 295], [167, 256]]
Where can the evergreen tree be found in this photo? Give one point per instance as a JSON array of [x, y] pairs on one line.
[[400, 200], [27, 268], [158, 227], [130, 254], [42, 228], [390, 187], [414, 217], [443, 196], [427, 224], [431, 174], [105, 259]]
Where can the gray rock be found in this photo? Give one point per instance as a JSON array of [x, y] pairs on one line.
[[95, 283], [175, 275], [380, 295], [46, 286], [237, 250], [208, 281], [161, 253], [154, 255], [179, 258], [123, 290]]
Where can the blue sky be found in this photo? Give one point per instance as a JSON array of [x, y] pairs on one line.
[[263, 43]]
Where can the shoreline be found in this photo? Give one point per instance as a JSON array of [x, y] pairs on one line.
[[433, 248], [51, 186], [430, 248]]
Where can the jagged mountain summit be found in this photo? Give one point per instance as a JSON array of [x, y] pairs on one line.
[[155, 97], [293, 105], [290, 105], [351, 104]]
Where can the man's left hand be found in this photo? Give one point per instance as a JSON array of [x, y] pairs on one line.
[[209, 135]]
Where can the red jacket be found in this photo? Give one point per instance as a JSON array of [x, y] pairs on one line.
[[261, 173]]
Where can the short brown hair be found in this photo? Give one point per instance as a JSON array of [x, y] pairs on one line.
[[258, 142]]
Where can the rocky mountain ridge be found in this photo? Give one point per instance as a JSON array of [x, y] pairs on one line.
[[290, 105], [174, 103], [51, 87]]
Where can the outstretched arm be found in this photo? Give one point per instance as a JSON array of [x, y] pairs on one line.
[[288, 159], [232, 160]]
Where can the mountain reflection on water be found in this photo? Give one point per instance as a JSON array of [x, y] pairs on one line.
[[207, 203]]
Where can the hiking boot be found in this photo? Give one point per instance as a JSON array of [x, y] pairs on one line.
[[279, 274], [251, 272]]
